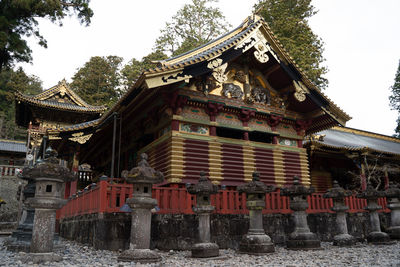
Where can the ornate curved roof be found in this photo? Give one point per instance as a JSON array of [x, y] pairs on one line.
[[59, 97], [254, 33]]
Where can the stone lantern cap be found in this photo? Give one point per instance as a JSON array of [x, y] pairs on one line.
[[337, 192], [49, 169], [256, 186], [370, 193], [297, 189], [203, 187], [143, 173], [393, 191]]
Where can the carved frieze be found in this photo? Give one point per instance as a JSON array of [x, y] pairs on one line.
[[232, 90], [206, 85]]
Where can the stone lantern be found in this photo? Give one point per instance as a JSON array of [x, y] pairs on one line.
[[301, 238], [338, 194], [49, 176], [203, 190], [256, 242], [376, 236], [142, 178], [393, 196]]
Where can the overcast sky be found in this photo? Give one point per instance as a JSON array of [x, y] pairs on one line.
[[362, 47]]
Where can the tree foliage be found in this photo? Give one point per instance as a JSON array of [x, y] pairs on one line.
[[131, 71], [18, 19], [193, 25], [98, 81], [10, 82], [288, 20], [395, 99]]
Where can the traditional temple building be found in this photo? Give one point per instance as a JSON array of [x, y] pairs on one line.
[[54, 107], [234, 105], [352, 157]]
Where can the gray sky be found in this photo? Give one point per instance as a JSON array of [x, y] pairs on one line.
[[362, 47]]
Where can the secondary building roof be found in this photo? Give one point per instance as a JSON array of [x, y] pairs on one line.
[[348, 139], [59, 104], [59, 96], [12, 146]]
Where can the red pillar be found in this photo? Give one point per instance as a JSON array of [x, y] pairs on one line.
[[275, 140], [246, 136], [175, 125], [213, 131]]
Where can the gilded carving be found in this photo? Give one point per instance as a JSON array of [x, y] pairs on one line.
[[80, 138], [232, 90], [262, 57], [240, 76], [206, 85], [219, 73], [300, 93], [214, 63], [259, 95], [300, 96]]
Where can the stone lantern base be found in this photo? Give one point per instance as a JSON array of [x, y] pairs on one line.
[[303, 241], [378, 238], [205, 250], [344, 240], [139, 255], [256, 243]]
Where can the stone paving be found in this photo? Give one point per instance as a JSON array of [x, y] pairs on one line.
[[75, 254]]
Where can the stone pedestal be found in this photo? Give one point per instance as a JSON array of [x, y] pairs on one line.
[[393, 197], [20, 239], [204, 249], [376, 236], [338, 194], [203, 189], [301, 238], [256, 242], [142, 177], [49, 177]]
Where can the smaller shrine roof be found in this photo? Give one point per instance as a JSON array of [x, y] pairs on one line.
[[357, 140], [12, 146], [59, 97]]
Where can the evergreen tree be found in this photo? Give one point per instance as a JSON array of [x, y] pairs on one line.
[[131, 71], [18, 19], [10, 82], [193, 25], [288, 20], [395, 99], [98, 81]]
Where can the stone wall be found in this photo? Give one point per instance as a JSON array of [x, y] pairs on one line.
[[178, 231], [8, 192]]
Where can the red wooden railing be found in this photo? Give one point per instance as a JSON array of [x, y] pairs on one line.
[[108, 197]]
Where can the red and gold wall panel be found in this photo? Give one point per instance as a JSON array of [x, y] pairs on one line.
[[265, 165], [232, 164], [181, 159], [195, 154]]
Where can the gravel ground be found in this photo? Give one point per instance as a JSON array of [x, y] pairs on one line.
[[75, 254]]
